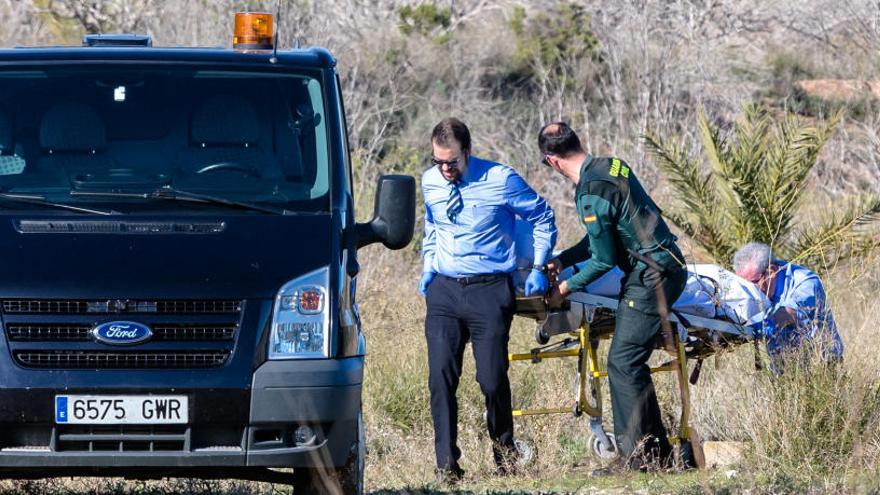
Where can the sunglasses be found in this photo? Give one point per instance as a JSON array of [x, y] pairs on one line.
[[449, 163]]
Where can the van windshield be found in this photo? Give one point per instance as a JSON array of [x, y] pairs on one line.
[[110, 136]]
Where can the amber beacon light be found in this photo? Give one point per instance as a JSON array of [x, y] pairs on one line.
[[253, 31]]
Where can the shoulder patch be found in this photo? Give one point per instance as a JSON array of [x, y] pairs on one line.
[[618, 168], [614, 171]]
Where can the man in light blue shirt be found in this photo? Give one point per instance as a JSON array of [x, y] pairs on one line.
[[471, 207], [480, 239], [798, 313]]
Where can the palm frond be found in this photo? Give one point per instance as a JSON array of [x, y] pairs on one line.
[[746, 163], [693, 188], [723, 172], [839, 236], [709, 236], [699, 218], [752, 139], [790, 160], [752, 142], [713, 142]]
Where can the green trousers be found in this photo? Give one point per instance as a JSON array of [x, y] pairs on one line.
[[646, 297]]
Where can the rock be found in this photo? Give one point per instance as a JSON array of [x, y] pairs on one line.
[[723, 454], [839, 89]]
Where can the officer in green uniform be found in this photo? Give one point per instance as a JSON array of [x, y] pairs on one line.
[[625, 229]]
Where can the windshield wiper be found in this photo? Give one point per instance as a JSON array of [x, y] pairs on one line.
[[171, 194], [33, 199]]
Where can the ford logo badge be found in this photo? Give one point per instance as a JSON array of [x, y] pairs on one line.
[[122, 333]]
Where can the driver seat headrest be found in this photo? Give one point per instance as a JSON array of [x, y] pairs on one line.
[[225, 120], [74, 128]]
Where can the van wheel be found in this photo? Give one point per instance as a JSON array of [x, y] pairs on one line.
[[345, 480]]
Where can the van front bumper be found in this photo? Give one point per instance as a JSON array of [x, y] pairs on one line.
[[298, 413]]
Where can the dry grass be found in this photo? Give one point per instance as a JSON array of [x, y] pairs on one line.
[[807, 428]]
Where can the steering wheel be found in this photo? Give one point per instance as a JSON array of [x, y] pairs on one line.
[[230, 166]]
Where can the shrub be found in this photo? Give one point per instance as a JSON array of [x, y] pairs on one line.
[[786, 68], [754, 186], [814, 422], [550, 45], [425, 19], [552, 38]]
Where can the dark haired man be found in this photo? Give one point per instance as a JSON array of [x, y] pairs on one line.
[[625, 229], [470, 209]]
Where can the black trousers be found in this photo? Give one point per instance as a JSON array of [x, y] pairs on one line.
[[480, 312], [646, 297]]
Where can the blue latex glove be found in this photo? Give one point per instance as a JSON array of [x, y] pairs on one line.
[[764, 329], [757, 330], [536, 283], [427, 277]]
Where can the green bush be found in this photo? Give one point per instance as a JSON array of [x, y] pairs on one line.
[[553, 38], [425, 19], [754, 186], [787, 67]]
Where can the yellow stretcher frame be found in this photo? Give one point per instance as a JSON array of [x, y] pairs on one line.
[[583, 344]]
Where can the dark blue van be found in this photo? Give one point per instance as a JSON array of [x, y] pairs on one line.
[[178, 257]]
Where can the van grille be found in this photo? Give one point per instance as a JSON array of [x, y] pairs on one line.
[[47, 333], [121, 360], [201, 437], [191, 333], [115, 306], [74, 333], [123, 438], [186, 333]]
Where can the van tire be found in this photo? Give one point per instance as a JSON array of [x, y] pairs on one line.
[[345, 480]]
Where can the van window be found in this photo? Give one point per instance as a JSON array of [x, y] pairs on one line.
[[245, 136]]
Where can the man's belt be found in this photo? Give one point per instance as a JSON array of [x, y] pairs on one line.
[[477, 279], [648, 261]]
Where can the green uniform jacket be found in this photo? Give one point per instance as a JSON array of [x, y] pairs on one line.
[[618, 215]]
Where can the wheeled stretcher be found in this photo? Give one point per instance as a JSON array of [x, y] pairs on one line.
[[576, 330]]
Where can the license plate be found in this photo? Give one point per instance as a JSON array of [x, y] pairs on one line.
[[121, 409]]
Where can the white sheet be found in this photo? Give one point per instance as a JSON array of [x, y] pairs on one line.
[[711, 291]]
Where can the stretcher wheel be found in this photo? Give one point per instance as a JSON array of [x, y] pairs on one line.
[[525, 449], [541, 336], [598, 449]]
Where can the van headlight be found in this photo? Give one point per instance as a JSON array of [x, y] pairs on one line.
[[300, 319]]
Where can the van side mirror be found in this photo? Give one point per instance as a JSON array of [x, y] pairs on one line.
[[394, 216]]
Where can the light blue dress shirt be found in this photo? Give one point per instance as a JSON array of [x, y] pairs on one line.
[[481, 240], [801, 290]]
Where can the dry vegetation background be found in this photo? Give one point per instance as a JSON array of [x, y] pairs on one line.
[[614, 69]]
